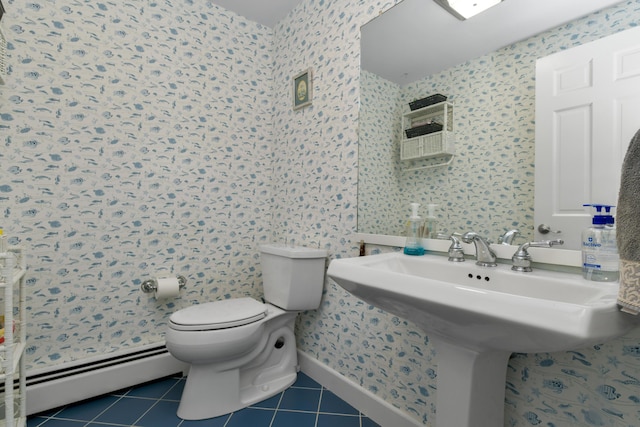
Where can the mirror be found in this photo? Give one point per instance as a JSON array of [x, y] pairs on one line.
[[489, 185]]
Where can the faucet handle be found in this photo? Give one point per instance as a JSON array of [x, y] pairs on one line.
[[456, 253], [522, 260]]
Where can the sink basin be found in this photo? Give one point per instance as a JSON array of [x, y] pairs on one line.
[[477, 316], [487, 307]]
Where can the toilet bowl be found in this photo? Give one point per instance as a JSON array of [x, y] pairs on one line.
[[242, 351]]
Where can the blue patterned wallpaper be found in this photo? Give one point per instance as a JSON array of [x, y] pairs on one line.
[[489, 186], [382, 206], [154, 138], [136, 142]]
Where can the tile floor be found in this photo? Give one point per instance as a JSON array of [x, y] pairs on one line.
[[305, 404]]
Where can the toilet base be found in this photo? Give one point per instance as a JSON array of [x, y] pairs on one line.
[[229, 398], [212, 392]]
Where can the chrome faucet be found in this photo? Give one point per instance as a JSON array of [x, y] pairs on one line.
[[522, 260], [485, 257]]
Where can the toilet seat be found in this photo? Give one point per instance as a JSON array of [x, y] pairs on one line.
[[222, 314]]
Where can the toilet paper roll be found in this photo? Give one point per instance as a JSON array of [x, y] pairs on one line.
[[169, 287]]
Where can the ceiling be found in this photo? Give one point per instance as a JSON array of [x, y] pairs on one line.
[[265, 12], [417, 38]]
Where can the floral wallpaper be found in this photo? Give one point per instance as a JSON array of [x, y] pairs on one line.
[[145, 138]]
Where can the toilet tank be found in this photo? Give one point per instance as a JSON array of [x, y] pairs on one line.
[[292, 277]]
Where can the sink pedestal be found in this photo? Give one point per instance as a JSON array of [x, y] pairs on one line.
[[471, 386]]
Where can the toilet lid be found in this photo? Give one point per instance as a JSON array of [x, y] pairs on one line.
[[222, 314]]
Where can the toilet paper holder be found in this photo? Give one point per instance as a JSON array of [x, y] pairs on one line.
[[151, 285]]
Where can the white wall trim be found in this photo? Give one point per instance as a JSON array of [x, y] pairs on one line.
[[374, 407]]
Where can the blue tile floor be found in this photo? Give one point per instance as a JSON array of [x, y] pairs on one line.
[[305, 404]]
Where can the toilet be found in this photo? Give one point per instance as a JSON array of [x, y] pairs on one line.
[[242, 351]]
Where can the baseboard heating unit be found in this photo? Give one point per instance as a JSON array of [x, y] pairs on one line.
[[61, 385]]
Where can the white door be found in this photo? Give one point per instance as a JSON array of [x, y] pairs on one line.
[[587, 111]]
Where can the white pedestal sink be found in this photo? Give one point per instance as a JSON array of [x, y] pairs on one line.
[[478, 316]]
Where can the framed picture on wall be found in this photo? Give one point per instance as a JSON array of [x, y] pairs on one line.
[[302, 89]]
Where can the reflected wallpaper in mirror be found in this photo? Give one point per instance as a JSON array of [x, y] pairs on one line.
[[489, 186]]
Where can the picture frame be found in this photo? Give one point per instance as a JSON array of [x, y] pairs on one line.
[[302, 84]]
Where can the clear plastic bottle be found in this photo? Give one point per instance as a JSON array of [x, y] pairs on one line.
[[600, 259], [431, 223], [413, 244]]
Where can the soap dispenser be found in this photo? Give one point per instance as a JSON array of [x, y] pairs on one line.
[[600, 259], [413, 245], [431, 223]]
